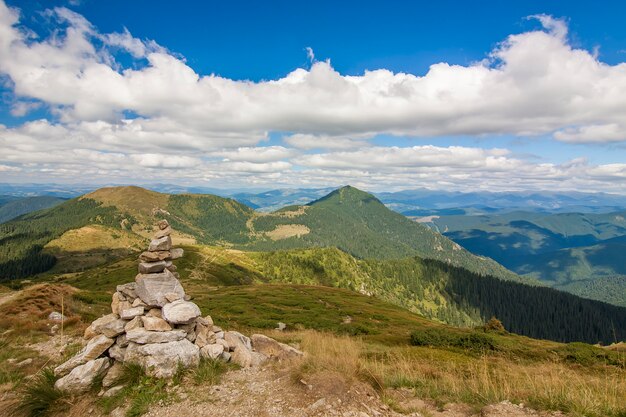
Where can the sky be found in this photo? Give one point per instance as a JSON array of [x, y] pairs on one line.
[[501, 96]]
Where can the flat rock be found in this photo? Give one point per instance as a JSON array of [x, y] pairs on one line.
[[164, 243], [83, 376], [155, 324], [161, 360], [154, 312], [155, 256], [110, 325], [94, 348], [133, 324], [151, 267], [273, 349], [152, 288], [163, 232], [143, 336], [128, 290], [181, 312], [131, 313]]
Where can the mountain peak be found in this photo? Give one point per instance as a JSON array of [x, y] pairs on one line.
[[132, 198], [347, 194]]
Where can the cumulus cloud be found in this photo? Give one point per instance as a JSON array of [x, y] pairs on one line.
[[207, 127]]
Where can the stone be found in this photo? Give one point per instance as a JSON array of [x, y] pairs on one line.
[[172, 296], [89, 333], [219, 335], [138, 303], [223, 343], [142, 336], [131, 313], [121, 340], [117, 352], [205, 321], [247, 358], [116, 299], [56, 316], [211, 351], [216, 329], [155, 256], [151, 267], [25, 362], [204, 337], [171, 267], [128, 290], [235, 339], [164, 243], [190, 328], [83, 376], [176, 253], [161, 360], [154, 312], [163, 232], [110, 325], [113, 391], [181, 312], [113, 374], [163, 224], [133, 324], [273, 349], [225, 356], [155, 324], [281, 326], [151, 288]]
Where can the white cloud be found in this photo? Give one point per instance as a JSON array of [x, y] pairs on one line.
[[211, 128]]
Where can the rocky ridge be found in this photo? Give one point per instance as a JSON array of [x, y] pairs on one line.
[[154, 324]]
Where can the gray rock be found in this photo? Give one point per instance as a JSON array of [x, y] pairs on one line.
[[56, 316], [155, 256], [272, 348], [113, 391], [131, 313], [152, 288], [117, 352], [110, 325], [176, 253], [204, 336], [234, 339], [181, 312], [161, 244], [151, 267], [128, 290], [139, 303], [163, 224], [212, 351], [142, 336], [83, 376], [281, 326], [121, 340], [225, 356], [163, 232], [161, 360], [133, 324], [113, 374], [155, 324], [247, 358]]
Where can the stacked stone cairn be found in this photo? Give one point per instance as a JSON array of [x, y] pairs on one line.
[[154, 324]]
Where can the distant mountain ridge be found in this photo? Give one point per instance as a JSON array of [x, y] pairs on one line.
[[16, 206]]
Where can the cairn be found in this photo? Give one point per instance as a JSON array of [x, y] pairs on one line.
[[154, 324]]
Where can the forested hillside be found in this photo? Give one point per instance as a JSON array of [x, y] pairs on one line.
[[19, 206]]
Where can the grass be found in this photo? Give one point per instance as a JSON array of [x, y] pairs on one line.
[[40, 397], [210, 371], [455, 376]]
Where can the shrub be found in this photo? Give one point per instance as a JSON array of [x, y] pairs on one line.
[[494, 325]]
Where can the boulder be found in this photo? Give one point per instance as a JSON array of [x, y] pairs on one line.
[[211, 351], [155, 324], [235, 339], [110, 325], [56, 316], [83, 376], [143, 336], [181, 312], [151, 288], [161, 244], [151, 267], [96, 347], [272, 348], [161, 360], [223, 343], [113, 374], [247, 358], [131, 313]]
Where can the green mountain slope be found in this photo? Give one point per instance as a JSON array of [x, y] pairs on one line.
[[349, 219], [19, 206], [358, 223]]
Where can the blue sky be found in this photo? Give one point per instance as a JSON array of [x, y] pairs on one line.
[[466, 96]]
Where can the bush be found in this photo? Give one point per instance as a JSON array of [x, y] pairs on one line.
[[494, 325], [475, 341]]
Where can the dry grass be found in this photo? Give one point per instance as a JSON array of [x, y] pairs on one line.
[[285, 231], [447, 376]]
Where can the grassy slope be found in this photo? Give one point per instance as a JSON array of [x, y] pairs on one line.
[[17, 207]]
